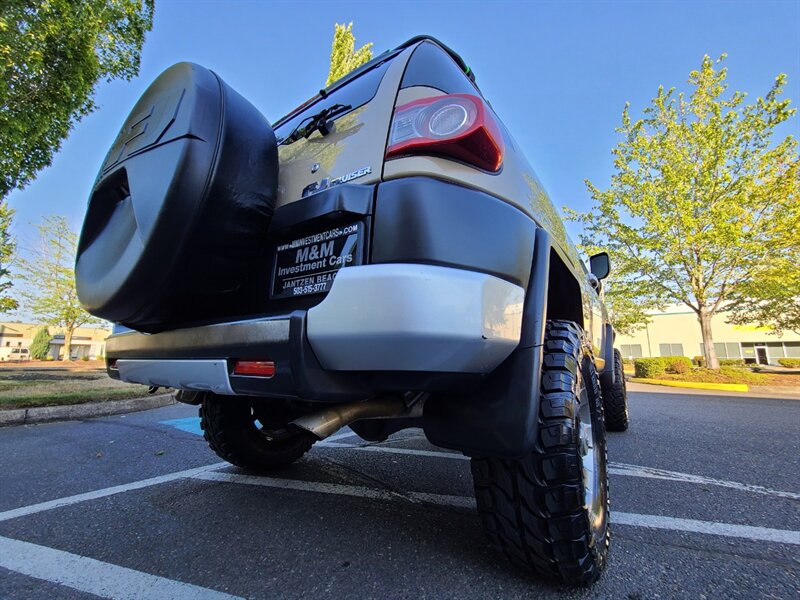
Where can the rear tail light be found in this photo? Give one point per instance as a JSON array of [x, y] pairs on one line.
[[458, 126], [254, 368]]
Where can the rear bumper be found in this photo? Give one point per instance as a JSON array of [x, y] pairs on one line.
[[438, 304], [400, 324], [401, 317]]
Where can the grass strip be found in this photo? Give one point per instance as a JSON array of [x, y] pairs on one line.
[[76, 397]]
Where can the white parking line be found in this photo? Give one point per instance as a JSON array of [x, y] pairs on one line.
[[615, 468], [208, 473], [763, 534], [650, 473], [339, 489], [392, 450], [94, 576], [109, 491], [338, 436]]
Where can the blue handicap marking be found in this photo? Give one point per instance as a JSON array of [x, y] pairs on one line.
[[189, 425]]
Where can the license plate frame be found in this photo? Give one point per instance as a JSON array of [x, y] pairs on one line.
[[308, 264]]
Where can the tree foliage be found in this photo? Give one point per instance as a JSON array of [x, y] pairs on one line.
[[625, 311], [52, 54], [48, 278], [771, 299], [703, 198], [344, 56], [40, 346], [7, 248]]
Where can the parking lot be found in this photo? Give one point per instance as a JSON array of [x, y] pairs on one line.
[[705, 499]]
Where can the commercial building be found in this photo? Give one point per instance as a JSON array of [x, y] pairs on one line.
[[86, 341], [676, 332]]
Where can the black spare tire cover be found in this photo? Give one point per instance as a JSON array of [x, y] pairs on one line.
[[176, 227]]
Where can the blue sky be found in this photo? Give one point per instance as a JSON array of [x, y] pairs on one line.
[[557, 73]]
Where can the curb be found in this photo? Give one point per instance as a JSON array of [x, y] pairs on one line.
[[69, 412], [727, 387]]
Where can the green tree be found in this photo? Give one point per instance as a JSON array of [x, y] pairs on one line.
[[7, 248], [626, 312], [344, 56], [52, 55], [771, 299], [40, 346], [702, 199], [48, 277]]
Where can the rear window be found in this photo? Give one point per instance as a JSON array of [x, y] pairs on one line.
[[433, 67], [356, 93]]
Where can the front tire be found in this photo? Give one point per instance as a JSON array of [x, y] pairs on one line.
[[615, 398], [548, 511], [249, 433]]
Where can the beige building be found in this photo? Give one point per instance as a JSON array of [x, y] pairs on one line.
[[86, 341], [676, 332]]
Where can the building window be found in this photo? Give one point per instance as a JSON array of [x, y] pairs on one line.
[[631, 350], [726, 350], [775, 350], [792, 349], [670, 349]]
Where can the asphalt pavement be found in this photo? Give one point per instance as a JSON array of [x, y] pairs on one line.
[[705, 503]]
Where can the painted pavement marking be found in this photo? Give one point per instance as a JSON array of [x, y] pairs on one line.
[[192, 425], [109, 491], [763, 534], [96, 577]]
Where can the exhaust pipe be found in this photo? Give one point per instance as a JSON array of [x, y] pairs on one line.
[[330, 420]]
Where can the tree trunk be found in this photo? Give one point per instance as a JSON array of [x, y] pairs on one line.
[[704, 317], [67, 342]]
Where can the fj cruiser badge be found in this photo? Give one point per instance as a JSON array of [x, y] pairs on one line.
[[318, 186]]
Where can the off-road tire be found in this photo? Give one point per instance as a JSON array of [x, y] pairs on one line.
[[231, 429], [615, 398], [533, 508]]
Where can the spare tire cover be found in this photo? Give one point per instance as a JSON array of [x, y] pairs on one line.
[[176, 225]]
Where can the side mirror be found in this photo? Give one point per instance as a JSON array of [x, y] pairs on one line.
[[600, 265]]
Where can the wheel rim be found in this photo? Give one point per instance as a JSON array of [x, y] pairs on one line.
[[590, 455]]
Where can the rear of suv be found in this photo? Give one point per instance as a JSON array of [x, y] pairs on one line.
[[382, 257]]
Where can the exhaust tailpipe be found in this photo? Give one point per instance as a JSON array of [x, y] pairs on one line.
[[330, 420]]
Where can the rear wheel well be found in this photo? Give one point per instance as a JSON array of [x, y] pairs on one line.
[[563, 292]]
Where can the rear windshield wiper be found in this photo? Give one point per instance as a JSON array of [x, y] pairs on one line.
[[322, 122]]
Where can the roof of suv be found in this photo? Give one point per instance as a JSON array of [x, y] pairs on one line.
[[384, 56]]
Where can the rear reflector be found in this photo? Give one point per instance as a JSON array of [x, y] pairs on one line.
[[254, 368]]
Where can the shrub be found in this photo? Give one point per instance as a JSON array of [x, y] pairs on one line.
[[677, 364], [84, 358], [790, 363], [700, 361], [649, 367], [653, 367], [731, 362], [41, 344], [49, 358]]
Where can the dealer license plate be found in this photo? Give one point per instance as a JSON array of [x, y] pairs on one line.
[[308, 265]]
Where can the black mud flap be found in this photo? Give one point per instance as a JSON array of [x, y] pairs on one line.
[[500, 418]]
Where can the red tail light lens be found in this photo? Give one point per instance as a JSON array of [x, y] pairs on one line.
[[458, 126]]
